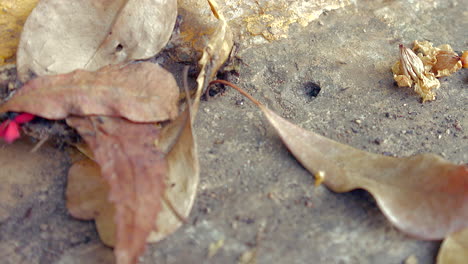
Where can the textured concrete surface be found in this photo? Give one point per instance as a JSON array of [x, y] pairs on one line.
[[253, 195]]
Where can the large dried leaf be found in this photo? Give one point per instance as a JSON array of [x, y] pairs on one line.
[[182, 178], [135, 171], [454, 249], [13, 15], [142, 92], [423, 195], [87, 191], [60, 37]]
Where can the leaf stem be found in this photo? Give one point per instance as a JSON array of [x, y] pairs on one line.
[[240, 90]]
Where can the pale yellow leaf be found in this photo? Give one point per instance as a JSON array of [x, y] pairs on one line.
[[60, 37]]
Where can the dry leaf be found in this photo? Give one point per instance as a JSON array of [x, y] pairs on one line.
[[60, 37], [13, 14], [135, 171], [86, 196], [182, 177], [142, 92], [454, 249], [87, 191], [423, 195], [215, 53]]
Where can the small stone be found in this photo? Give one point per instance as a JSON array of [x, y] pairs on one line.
[[447, 131], [240, 102], [439, 136], [358, 121], [457, 126]]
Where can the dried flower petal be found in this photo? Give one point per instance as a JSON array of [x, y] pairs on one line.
[[11, 132], [447, 63], [440, 60], [411, 65], [410, 70], [23, 118]]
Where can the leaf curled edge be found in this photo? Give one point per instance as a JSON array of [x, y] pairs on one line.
[[142, 92]]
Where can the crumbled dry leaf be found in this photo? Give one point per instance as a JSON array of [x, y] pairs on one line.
[[13, 14], [454, 249], [441, 60], [215, 53], [135, 171], [423, 195], [142, 92], [59, 38], [410, 71]]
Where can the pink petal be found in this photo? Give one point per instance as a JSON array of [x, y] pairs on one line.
[[23, 118], [3, 127], [11, 132]]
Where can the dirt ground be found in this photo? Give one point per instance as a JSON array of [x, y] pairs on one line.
[[254, 198]]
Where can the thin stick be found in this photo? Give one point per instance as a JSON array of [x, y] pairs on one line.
[[240, 90], [39, 144]]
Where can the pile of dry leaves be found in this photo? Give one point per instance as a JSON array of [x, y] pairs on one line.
[[137, 173]]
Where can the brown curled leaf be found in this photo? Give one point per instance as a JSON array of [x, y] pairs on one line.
[[87, 191], [135, 171], [61, 37], [423, 195], [142, 92]]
